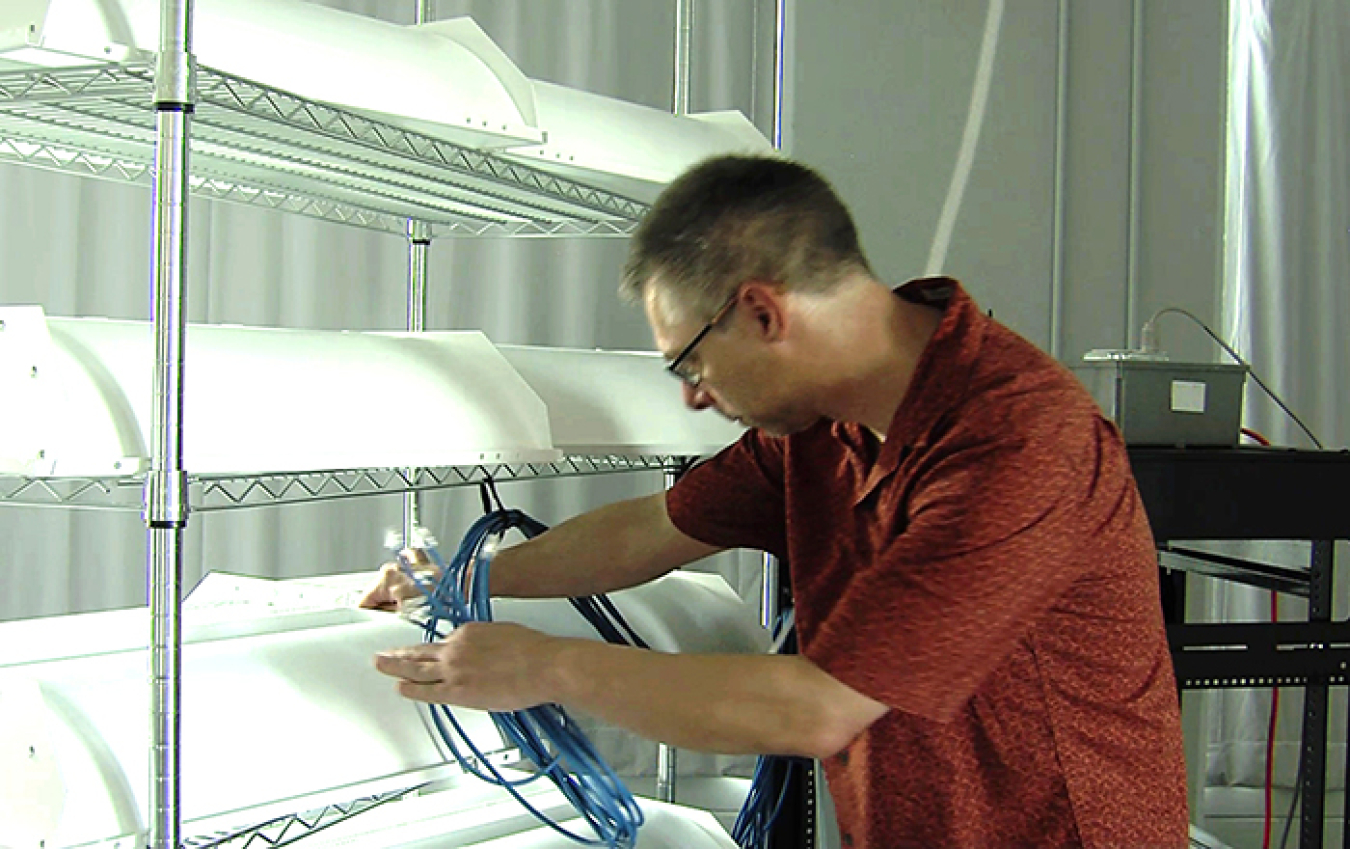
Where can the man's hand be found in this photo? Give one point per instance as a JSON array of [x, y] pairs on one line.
[[495, 666], [393, 586]]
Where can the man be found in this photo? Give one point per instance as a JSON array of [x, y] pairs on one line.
[[983, 663]]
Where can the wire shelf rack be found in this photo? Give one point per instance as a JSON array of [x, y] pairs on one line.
[[261, 146], [218, 493]]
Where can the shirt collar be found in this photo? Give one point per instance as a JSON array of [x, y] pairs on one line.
[[941, 377]]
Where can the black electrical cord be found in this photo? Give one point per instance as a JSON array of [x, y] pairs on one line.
[[1149, 342], [1293, 804]]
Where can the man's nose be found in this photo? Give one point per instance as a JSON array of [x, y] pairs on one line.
[[696, 398]]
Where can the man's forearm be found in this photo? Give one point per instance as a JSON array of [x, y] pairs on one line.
[[730, 704], [617, 546]]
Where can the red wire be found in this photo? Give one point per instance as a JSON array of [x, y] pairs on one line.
[[1256, 437], [1270, 736]]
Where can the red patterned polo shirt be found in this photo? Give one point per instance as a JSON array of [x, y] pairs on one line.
[[988, 572]]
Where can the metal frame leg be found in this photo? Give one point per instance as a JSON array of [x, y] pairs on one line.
[[667, 756], [419, 257], [1312, 779], [166, 485]]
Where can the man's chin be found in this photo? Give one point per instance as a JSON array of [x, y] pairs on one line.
[[771, 427], [745, 422], [776, 428]]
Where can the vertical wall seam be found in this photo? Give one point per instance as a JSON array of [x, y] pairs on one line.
[[1132, 215], [1061, 142]]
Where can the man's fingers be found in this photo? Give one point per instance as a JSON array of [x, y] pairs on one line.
[[392, 587], [414, 664], [411, 654], [402, 588], [416, 556], [376, 599], [429, 692]]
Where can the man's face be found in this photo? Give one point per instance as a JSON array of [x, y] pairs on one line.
[[734, 371]]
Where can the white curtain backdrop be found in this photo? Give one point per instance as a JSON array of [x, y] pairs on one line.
[[81, 247], [1285, 305]]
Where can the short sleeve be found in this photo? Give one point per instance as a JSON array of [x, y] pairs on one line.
[[736, 498], [993, 536]]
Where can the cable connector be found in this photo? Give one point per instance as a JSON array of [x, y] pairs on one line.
[[422, 539], [1148, 335]]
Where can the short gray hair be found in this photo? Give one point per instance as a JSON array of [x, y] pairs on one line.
[[737, 218]]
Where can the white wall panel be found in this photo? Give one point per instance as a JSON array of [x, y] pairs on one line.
[[881, 91]]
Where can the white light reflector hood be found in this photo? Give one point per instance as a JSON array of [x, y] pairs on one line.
[[447, 79], [267, 717], [282, 712], [607, 402], [260, 399], [415, 77], [627, 148]]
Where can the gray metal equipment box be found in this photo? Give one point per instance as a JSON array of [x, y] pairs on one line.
[[1164, 403]]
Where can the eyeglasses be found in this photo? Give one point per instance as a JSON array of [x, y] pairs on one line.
[[678, 367]]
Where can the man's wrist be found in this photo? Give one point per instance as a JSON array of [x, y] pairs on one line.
[[560, 659], [499, 578]]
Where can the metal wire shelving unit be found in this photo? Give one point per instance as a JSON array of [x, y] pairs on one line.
[[179, 128], [260, 146], [182, 129], [215, 493], [285, 830]]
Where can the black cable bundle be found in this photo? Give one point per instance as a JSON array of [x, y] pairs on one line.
[[773, 775]]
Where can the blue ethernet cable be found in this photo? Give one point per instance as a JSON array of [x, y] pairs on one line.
[[543, 733], [773, 774]]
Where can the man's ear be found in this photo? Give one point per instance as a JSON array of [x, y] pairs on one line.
[[765, 305]]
